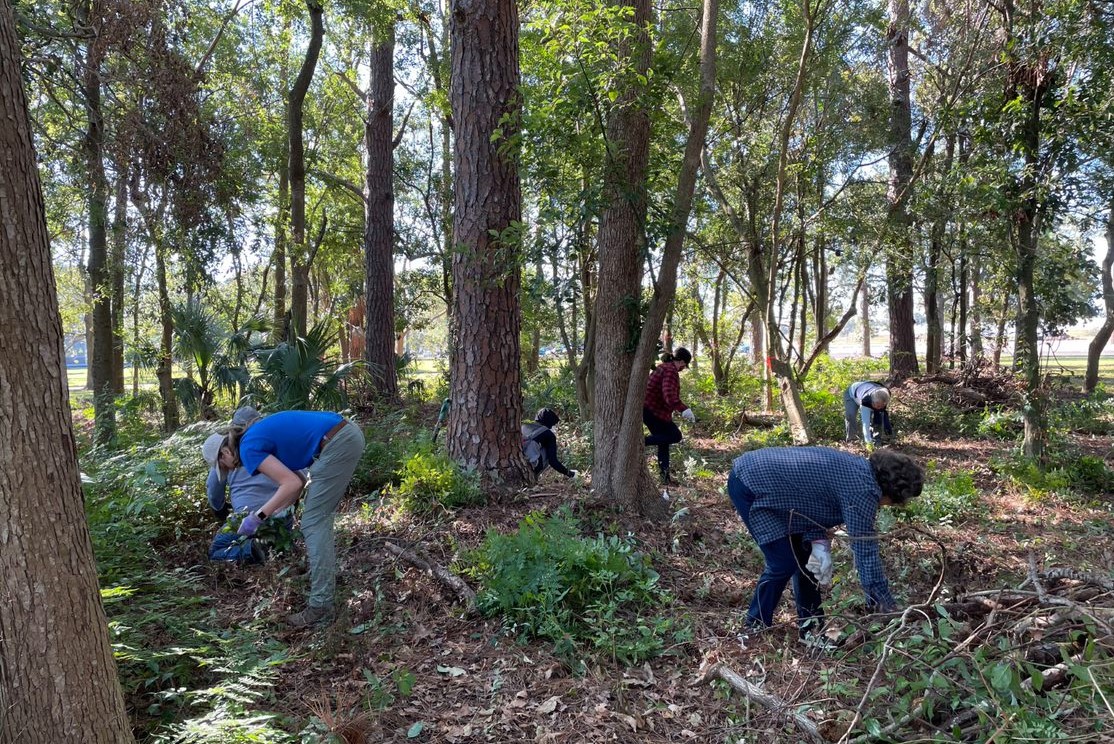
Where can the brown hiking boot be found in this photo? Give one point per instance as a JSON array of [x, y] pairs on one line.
[[311, 617]]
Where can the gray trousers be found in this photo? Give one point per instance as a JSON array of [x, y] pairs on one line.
[[329, 476]]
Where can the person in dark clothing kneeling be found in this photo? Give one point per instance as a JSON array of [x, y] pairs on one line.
[[789, 497], [540, 443]]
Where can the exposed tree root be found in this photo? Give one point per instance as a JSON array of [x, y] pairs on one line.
[[444, 576]]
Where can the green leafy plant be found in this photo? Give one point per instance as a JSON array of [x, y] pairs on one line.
[[428, 480], [300, 374], [594, 595], [949, 497]]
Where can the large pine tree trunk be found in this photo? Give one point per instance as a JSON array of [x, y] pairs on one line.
[[100, 275], [299, 253], [57, 676], [899, 265], [379, 227], [1098, 343], [486, 413]]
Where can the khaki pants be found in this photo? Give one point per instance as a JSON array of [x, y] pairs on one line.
[[329, 476]]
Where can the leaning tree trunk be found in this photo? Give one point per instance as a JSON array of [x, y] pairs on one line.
[[899, 265], [57, 676], [379, 227], [1098, 343], [299, 253], [484, 432]]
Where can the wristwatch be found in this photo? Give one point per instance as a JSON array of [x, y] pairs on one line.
[[261, 514]]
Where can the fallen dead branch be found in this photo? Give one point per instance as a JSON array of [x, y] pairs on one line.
[[719, 670], [444, 576]]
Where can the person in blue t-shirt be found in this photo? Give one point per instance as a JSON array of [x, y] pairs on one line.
[[232, 495], [866, 401], [279, 446], [789, 497]]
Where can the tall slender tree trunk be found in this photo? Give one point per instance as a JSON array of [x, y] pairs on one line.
[[379, 227], [975, 275], [866, 319], [100, 276], [1098, 343], [934, 340], [899, 263], [57, 675], [299, 251], [118, 261], [777, 359], [619, 468], [621, 244], [484, 432], [165, 369], [1028, 84]]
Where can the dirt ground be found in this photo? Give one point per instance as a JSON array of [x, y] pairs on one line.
[[474, 683]]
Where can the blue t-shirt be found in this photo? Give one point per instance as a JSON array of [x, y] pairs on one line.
[[293, 437]]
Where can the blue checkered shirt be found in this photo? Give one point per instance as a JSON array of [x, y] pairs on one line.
[[806, 490]]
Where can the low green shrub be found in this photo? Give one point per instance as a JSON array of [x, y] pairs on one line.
[[1066, 469], [428, 480], [587, 595], [1000, 423], [550, 388], [1091, 415], [949, 497]]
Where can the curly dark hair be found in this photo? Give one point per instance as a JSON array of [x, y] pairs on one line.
[[898, 475]]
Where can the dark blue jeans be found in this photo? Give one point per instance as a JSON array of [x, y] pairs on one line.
[[785, 561], [662, 434]]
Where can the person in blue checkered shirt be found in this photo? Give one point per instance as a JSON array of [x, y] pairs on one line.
[[789, 497]]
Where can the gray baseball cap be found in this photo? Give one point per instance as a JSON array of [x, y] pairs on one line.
[[244, 416], [210, 450]]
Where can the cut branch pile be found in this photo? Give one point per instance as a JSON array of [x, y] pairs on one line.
[[977, 383], [959, 668]]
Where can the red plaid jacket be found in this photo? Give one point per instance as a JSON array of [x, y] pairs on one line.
[[663, 392]]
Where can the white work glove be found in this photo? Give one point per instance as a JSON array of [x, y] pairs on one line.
[[820, 562], [688, 415]]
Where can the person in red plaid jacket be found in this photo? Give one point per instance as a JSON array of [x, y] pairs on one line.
[[663, 397]]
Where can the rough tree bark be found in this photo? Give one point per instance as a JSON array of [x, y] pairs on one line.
[[299, 253], [777, 359], [619, 469], [486, 413], [1098, 343], [379, 226], [899, 263], [1028, 83], [57, 676], [87, 18]]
